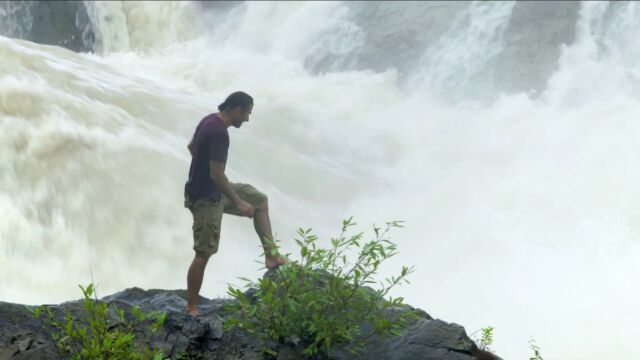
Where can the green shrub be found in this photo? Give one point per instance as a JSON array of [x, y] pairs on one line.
[[486, 338], [97, 337], [323, 300]]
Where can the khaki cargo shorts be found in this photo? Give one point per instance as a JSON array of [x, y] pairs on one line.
[[207, 217]]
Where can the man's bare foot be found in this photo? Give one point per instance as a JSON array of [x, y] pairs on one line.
[[275, 263], [193, 311]]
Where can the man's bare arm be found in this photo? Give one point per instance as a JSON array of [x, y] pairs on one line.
[[222, 182]]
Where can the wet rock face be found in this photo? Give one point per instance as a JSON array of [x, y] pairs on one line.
[[533, 40], [59, 23], [398, 36], [22, 336], [389, 35]]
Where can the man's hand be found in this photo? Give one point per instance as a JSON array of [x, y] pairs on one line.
[[220, 179], [246, 208]]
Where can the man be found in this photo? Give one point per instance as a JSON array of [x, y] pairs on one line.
[[209, 194]]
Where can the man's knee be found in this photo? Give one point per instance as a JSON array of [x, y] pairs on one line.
[[264, 205], [203, 256]]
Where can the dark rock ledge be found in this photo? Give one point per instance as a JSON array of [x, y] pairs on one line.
[[22, 336]]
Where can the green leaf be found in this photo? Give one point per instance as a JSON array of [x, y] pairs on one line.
[[88, 291], [120, 313]]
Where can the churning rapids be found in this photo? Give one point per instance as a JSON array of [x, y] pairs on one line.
[[504, 134]]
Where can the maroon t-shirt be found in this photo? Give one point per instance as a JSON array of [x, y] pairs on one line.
[[210, 143]]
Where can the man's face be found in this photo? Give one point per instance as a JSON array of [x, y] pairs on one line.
[[242, 115]]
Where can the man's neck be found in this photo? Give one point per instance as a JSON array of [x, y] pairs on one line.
[[225, 118]]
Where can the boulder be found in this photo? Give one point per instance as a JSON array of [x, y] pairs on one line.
[[23, 336]]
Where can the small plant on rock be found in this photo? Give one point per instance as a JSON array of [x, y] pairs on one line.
[[322, 302], [486, 338], [98, 337]]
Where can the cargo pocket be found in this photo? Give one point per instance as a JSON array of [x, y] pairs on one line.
[[205, 238]]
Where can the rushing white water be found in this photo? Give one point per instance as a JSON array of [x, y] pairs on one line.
[[475, 36], [521, 212]]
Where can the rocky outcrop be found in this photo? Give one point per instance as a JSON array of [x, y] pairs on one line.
[[60, 23], [22, 336], [544, 27]]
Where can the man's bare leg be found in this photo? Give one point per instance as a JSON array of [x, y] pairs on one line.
[[262, 224], [194, 283]]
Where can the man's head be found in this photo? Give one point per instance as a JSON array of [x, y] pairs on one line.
[[237, 107]]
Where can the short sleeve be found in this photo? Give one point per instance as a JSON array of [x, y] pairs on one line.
[[218, 147]]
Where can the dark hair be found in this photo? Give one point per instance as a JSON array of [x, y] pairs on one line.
[[236, 99]]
